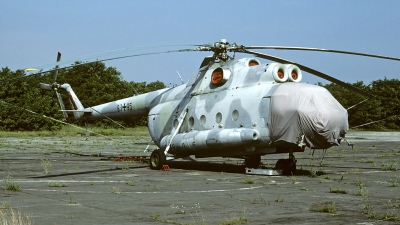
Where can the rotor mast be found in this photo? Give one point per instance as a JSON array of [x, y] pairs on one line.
[[221, 49]]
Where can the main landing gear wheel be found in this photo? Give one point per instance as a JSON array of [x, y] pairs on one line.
[[252, 161], [287, 166], [157, 159]]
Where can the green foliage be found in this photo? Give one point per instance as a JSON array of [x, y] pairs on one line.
[[17, 95], [384, 107], [93, 83], [10, 184]]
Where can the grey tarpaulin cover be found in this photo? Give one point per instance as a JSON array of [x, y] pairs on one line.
[[303, 109]]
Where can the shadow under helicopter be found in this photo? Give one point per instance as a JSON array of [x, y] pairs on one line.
[[227, 168]]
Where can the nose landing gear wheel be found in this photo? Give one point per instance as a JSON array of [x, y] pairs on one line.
[[157, 159]]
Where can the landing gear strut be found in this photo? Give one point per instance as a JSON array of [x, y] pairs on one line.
[[288, 166], [157, 159]]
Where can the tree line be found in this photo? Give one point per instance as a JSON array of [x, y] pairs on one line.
[[385, 107], [25, 107]]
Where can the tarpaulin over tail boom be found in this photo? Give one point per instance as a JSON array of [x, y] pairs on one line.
[[299, 109]]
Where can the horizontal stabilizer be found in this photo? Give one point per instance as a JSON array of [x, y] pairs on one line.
[[81, 110]]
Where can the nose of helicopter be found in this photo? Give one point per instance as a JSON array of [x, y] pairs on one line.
[[306, 113]]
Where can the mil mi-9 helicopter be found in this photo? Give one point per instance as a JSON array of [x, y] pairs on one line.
[[234, 108]]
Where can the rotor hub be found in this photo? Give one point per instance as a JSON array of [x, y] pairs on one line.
[[221, 48]]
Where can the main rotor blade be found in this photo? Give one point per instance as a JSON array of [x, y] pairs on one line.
[[312, 71], [56, 72], [103, 60], [321, 50], [65, 114], [101, 55]]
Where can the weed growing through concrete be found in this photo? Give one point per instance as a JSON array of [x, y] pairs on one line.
[[157, 217], [280, 197], [11, 185], [56, 184], [369, 161], [249, 181], [389, 165], [129, 182], [327, 207], [362, 191], [337, 191], [46, 165], [394, 182], [126, 167], [391, 212], [361, 183], [235, 220], [194, 212], [5, 205], [355, 171], [260, 200], [368, 207], [313, 173], [72, 201], [293, 179], [115, 190]]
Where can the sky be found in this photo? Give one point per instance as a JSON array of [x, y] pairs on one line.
[[32, 32]]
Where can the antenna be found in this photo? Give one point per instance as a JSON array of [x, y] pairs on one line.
[[134, 90], [180, 77]]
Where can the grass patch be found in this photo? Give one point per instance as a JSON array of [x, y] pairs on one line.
[[327, 178], [68, 131], [249, 181], [115, 190], [234, 220], [11, 185], [129, 182], [11, 217], [72, 201], [356, 171], [56, 184], [46, 165], [362, 191], [326, 207], [5, 205], [337, 191], [389, 166]]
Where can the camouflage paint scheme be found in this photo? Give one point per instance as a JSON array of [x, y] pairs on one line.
[[229, 119]]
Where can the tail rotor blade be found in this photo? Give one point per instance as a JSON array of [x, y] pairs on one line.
[[62, 105], [47, 87], [56, 71]]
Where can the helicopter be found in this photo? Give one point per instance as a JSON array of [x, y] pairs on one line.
[[239, 108]]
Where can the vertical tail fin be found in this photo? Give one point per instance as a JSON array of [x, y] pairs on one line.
[[74, 101]]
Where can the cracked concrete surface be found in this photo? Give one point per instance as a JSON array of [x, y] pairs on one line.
[[83, 186]]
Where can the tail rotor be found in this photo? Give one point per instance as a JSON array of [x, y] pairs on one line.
[[55, 86]]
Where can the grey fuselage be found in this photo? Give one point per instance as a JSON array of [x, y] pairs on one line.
[[251, 112]]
